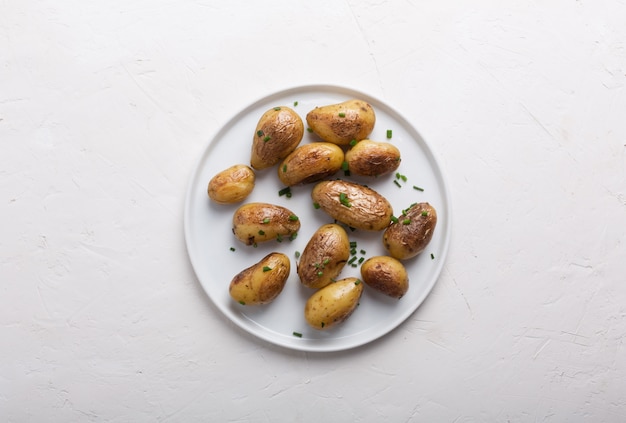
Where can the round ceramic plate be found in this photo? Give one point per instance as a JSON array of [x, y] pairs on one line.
[[217, 256]]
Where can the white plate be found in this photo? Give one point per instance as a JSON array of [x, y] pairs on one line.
[[209, 237]]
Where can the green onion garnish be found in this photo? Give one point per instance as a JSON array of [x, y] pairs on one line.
[[342, 115], [261, 232], [309, 129], [295, 103], [293, 217], [432, 256], [266, 139], [242, 302], [394, 219], [232, 248], [424, 213], [389, 133], [297, 254], [259, 133], [316, 205], [266, 220], [284, 191], [406, 221], [277, 108], [284, 168], [397, 183], [344, 166], [343, 199], [298, 334], [266, 268], [353, 143]]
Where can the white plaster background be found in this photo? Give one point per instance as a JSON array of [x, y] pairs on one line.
[[105, 107]]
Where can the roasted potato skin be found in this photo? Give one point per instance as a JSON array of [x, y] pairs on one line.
[[324, 256], [262, 282], [410, 235], [342, 122], [310, 163], [386, 275], [355, 205], [278, 133], [260, 222], [232, 185], [333, 304], [373, 158]]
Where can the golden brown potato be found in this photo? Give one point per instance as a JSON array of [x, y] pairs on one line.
[[260, 222], [343, 122], [355, 205], [232, 185], [410, 235], [277, 134], [372, 158], [262, 282], [385, 274], [310, 163], [333, 304], [324, 256]]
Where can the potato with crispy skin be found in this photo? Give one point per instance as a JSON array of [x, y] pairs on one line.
[[310, 163], [278, 133], [261, 222], [373, 158], [333, 304], [232, 185], [343, 122], [324, 256], [262, 282], [355, 205], [385, 274], [410, 235]]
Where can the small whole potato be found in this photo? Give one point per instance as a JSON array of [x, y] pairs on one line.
[[385, 274], [333, 304], [232, 185], [372, 158], [355, 205], [262, 282], [410, 235], [260, 222], [324, 256], [310, 163], [343, 122], [278, 133]]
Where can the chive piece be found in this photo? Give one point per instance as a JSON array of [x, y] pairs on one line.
[[277, 108], [266, 268], [397, 183], [353, 143], [418, 188], [242, 302], [297, 254], [255, 245], [354, 265], [342, 115], [432, 256], [298, 334], [295, 103], [320, 274], [316, 205], [356, 282], [343, 199], [323, 324], [232, 248], [406, 221], [309, 129], [266, 139], [284, 191], [288, 195], [260, 133], [394, 219], [389, 133], [353, 252], [293, 236], [279, 238], [363, 252], [424, 213], [352, 260], [361, 260], [266, 220], [261, 232], [325, 262], [403, 177], [344, 166], [293, 217], [353, 244]]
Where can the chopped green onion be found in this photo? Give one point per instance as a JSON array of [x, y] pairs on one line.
[[266, 220], [284, 168], [397, 183], [284, 191], [432, 256], [406, 221], [316, 205], [260, 133], [356, 282], [320, 274], [353, 252], [323, 324], [389, 133], [279, 238], [418, 188], [394, 219], [344, 166], [343, 199], [309, 129], [342, 115], [297, 254], [354, 265], [277, 108], [232, 248], [261, 232], [266, 139], [361, 260], [353, 244], [424, 213], [353, 143], [242, 302], [298, 334], [266, 268], [326, 261], [352, 260], [362, 252], [293, 236], [293, 217], [255, 245], [295, 103]]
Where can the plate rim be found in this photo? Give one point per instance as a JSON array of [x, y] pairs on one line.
[[330, 345]]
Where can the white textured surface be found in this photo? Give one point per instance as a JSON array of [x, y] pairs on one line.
[[105, 107]]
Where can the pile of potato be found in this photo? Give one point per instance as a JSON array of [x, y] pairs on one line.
[[343, 129]]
